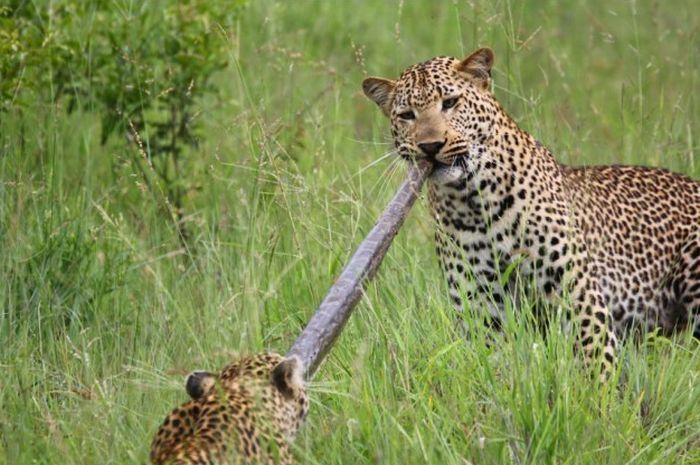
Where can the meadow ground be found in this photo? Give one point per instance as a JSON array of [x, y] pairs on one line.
[[104, 310]]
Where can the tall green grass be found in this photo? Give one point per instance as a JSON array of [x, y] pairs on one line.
[[104, 310]]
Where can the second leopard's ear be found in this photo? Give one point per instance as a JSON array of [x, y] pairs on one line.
[[288, 377], [380, 91], [199, 383], [477, 67]]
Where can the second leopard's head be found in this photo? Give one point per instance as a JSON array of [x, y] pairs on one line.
[[439, 109]]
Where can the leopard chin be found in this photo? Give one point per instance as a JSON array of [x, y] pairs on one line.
[[446, 174]]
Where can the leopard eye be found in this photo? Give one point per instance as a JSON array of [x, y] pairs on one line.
[[449, 103], [407, 115]]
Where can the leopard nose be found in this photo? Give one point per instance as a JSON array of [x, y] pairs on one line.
[[431, 148]]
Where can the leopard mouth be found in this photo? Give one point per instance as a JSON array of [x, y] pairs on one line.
[[456, 165], [456, 159], [446, 171], [443, 170]]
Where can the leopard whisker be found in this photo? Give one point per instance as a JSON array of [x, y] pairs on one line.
[[378, 160]]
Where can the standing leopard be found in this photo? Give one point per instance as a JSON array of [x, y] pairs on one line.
[[246, 414], [623, 242]]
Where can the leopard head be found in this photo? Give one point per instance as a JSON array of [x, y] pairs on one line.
[[441, 109]]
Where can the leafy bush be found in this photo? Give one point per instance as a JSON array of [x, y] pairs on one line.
[[143, 67]]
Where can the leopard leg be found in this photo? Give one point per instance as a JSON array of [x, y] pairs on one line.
[[597, 338], [481, 298], [473, 283], [680, 306]]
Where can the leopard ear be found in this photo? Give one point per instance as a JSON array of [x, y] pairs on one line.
[[380, 91], [199, 383], [477, 67], [288, 377]]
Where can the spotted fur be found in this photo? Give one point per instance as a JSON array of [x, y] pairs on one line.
[[622, 241], [246, 414]]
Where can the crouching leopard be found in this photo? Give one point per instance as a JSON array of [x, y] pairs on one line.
[[623, 242], [246, 414]]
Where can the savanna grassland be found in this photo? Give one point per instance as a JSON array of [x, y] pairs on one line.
[[180, 182]]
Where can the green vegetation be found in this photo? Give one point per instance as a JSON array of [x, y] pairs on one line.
[[127, 263]]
